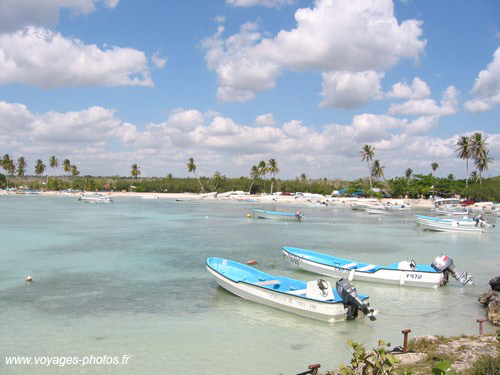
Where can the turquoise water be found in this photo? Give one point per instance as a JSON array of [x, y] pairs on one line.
[[129, 278]]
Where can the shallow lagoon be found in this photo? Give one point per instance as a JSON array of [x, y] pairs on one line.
[[129, 278]]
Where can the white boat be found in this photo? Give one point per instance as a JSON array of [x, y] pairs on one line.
[[4, 192], [463, 225], [377, 211], [399, 207], [149, 196], [266, 214], [95, 198], [405, 273], [314, 299]]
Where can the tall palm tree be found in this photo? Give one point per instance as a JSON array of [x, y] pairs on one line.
[[482, 164], [478, 145], [66, 164], [191, 166], [273, 170], [134, 170], [377, 170], [8, 166], [464, 150], [21, 166], [254, 174], [54, 163], [434, 167], [218, 178], [367, 153], [39, 169], [474, 176], [303, 177], [262, 172], [74, 171], [408, 173]]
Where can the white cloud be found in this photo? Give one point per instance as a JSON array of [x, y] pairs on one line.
[[111, 3], [40, 57], [486, 87], [429, 107], [332, 36], [267, 119], [158, 60], [350, 90], [418, 90], [265, 3]]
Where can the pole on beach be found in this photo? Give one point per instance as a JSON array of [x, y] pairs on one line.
[[313, 370], [405, 342], [481, 321]]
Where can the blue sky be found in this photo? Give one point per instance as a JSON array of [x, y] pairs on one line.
[[108, 83]]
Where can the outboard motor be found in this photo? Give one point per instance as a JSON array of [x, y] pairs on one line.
[[299, 215], [445, 264], [481, 222], [349, 296]]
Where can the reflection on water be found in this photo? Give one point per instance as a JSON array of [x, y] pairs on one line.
[[129, 278]]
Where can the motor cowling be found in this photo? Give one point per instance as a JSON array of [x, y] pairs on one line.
[[351, 300], [445, 264]]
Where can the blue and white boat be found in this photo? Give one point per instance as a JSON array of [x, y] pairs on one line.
[[314, 299], [266, 214], [464, 225], [405, 273]]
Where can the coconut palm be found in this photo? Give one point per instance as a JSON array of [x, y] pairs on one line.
[[54, 163], [74, 171], [478, 145], [273, 170], [408, 173], [66, 164], [303, 177], [474, 176], [8, 166], [262, 172], [464, 150], [367, 153], [21, 166], [482, 163], [39, 169], [191, 166], [434, 167], [134, 170], [218, 178], [377, 170], [254, 174]]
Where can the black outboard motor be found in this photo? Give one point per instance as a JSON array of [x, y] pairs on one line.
[[349, 296], [445, 264]]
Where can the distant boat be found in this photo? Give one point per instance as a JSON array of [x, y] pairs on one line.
[[266, 214], [183, 200], [377, 211], [95, 198], [405, 273], [313, 299], [148, 196], [463, 225]]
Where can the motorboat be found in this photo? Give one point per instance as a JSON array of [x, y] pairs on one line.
[[266, 214], [403, 273], [478, 224], [313, 299], [95, 198]]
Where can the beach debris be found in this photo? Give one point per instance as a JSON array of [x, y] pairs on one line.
[[313, 370], [29, 279], [253, 261], [249, 216]]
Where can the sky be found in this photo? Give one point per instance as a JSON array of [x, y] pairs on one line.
[[109, 83]]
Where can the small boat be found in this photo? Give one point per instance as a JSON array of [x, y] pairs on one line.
[[377, 211], [149, 197], [95, 198], [183, 200], [314, 299], [464, 225], [266, 214], [405, 273]]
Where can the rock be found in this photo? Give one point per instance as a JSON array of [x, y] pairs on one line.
[[492, 300], [495, 283]]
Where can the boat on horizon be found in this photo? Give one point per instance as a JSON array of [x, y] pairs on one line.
[[266, 214], [313, 299], [478, 224], [404, 273], [95, 198]]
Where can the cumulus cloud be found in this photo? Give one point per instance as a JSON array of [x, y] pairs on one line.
[[486, 88], [40, 57], [417, 90], [267, 119], [332, 36], [265, 3], [429, 107], [158, 60]]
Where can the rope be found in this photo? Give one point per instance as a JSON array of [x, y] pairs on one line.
[[424, 314]]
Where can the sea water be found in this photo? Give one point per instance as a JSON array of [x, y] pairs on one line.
[[129, 278]]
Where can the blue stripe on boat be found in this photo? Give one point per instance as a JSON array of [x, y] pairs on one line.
[[273, 212]]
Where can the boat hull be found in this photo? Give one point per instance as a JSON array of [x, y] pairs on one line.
[[261, 214], [384, 276], [448, 225], [326, 312]]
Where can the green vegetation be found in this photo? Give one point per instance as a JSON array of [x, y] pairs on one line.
[[485, 365]]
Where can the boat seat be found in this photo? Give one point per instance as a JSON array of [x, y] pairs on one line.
[[298, 292], [350, 265], [268, 282], [367, 268]]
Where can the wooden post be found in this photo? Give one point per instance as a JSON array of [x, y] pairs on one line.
[[405, 342]]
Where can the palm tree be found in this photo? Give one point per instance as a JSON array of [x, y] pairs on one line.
[[254, 174], [21, 166], [262, 172], [464, 150], [367, 153], [482, 164], [218, 178], [66, 166], [273, 170], [408, 173], [134, 170], [39, 169], [434, 166], [478, 145], [377, 170], [54, 163], [191, 166], [303, 177], [8, 166], [74, 171], [474, 176]]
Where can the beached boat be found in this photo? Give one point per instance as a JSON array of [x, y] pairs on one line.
[[464, 225], [314, 299], [95, 198], [405, 273], [266, 214]]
